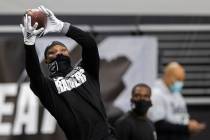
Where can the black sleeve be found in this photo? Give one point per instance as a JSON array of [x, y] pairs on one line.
[[37, 79], [38, 82], [122, 130], [32, 63], [90, 55], [167, 127]]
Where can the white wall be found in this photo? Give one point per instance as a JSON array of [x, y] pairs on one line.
[[125, 7]]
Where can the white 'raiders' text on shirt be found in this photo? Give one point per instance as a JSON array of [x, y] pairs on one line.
[[70, 81]]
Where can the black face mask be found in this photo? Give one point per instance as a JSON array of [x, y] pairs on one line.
[[60, 66], [141, 106]]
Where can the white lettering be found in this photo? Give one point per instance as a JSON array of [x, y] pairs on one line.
[[27, 112], [59, 84], [48, 123], [66, 84], [79, 77], [6, 108]]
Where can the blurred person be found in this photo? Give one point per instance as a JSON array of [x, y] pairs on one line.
[[134, 125], [169, 112], [70, 93]]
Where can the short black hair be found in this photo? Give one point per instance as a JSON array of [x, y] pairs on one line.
[[54, 43], [142, 85]]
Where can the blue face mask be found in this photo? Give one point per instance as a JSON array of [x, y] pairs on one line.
[[176, 87]]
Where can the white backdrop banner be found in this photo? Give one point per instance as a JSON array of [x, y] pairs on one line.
[[142, 52]]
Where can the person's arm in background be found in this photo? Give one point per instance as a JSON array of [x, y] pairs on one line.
[[157, 115], [167, 127], [193, 127]]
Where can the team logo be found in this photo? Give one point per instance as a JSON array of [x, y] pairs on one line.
[[73, 80]]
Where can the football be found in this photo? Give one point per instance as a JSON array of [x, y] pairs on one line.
[[37, 16]]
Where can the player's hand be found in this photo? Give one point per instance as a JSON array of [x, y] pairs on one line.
[[53, 25], [30, 32], [195, 127]]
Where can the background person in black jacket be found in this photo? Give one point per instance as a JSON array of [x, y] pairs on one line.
[[71, 94], [169, 110], [134, 125]]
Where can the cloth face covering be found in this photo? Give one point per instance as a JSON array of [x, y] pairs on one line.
[[60, 66], [177, 87], [142, 106]]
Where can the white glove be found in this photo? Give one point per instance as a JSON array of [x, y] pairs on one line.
[[29, 32], [53, 25]]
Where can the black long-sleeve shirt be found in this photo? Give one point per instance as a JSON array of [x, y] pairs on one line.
[[132, 127], [74, 100]]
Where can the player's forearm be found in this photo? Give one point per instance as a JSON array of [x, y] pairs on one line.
[[88, 44], [90, 55], [81, 37], [32, 62]]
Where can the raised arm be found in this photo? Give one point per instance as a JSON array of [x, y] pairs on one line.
[[31, 58], [90, 56], [32, 63], [38, 82], [37, 79]]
